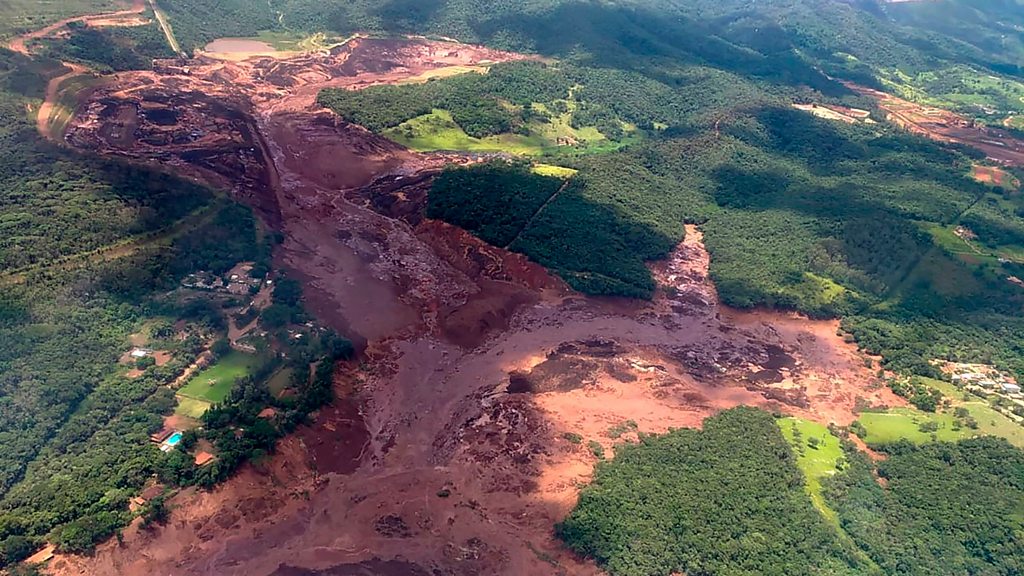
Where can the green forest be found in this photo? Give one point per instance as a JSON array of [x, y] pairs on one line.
[[729, 499], [112, 49]]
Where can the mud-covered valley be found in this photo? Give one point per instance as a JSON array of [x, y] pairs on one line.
[[449, 450]]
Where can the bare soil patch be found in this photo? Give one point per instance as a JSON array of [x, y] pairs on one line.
[[945, 126]]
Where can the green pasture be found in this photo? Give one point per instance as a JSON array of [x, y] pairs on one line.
[[214, 382], [816, 463]]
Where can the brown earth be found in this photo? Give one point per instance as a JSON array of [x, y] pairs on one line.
[[994, 176], [447, 453], [945, 126]]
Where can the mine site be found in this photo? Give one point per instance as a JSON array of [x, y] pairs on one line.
[[451, 448]]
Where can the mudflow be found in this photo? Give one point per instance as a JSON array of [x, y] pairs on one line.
[[447, 450]]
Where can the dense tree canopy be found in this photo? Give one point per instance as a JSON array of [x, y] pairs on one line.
[[727, 499]]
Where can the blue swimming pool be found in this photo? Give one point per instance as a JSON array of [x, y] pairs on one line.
[[174, 439]]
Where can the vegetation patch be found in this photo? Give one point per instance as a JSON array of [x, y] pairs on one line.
[[518, 107], [914, 523], [191, 407], [110, 49], [438, 131], [20, 16], [912, 425], [553, 171], [819, 455], [725, 499], [213, 383], [495, 201]]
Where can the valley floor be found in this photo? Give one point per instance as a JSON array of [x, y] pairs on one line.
[[486, 389]]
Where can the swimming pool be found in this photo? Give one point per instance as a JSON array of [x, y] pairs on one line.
[[174, 439]]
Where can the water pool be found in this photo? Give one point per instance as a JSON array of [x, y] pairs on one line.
[[174, 439]]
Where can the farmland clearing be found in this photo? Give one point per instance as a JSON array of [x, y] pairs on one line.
[[817, 459], [214, 383]]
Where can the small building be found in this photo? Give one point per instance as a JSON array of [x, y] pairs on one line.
[[42, 556], [267, 412], [163, 434], [1011, 388], [987, 383], [139, 353], [146, 495], [203, 458]]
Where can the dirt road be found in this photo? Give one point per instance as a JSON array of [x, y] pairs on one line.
[[20, 43]]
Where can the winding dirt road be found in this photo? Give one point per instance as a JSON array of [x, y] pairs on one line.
[[20, 43]]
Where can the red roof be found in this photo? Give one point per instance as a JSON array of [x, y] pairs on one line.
[[162, 435], [203, 458]]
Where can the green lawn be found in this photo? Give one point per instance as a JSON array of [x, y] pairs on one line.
[[438, 131], [280, 381], [191, 407], [214, 383], [815, 463], [897, 423], [990, 421], [553, 171], [904, 423]]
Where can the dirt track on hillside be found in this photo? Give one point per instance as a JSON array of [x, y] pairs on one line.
[[20, 43], [447, 452]]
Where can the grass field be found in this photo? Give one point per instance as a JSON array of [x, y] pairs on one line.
[[191, 407], [990, 421], [904, 424], [553, 171], [438, 131], [280, 381], [979, 255], [214, 383], [815, 463]]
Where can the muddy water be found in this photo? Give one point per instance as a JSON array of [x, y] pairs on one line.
[[239, 46]]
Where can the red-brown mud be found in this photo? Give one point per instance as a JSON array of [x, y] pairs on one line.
[[945, 126], [449, 452]]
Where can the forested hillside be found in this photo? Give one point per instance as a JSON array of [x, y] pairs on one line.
[[798, 212], [728, 500], [723, 500], [91, 258]]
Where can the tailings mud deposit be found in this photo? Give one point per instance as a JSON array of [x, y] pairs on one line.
[[462, 437]]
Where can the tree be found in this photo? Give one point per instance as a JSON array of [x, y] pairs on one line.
[[220, 348], [156, 511]]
